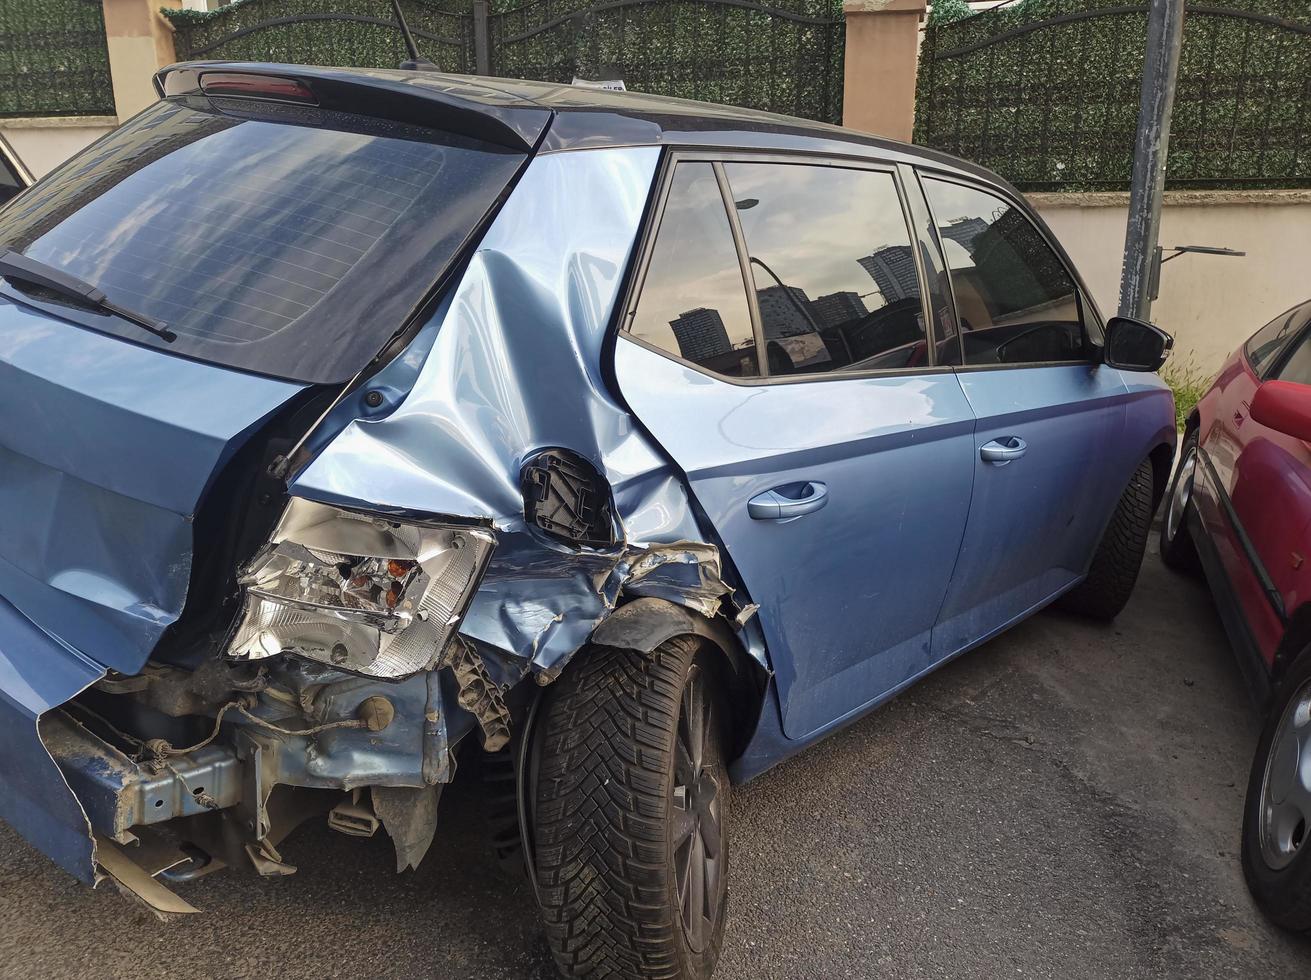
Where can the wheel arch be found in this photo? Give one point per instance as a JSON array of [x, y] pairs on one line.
[[645, 623], [1297, 638], [1162, 457]]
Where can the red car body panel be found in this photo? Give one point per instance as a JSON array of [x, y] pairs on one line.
[[1254, 482]]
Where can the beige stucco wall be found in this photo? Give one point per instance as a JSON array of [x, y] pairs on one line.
[[1210, 303], [43, 144]]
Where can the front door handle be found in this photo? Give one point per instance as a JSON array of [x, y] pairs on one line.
[[788, 501], [1002, 451]]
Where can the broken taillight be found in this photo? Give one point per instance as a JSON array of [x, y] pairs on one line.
[[361, 592]]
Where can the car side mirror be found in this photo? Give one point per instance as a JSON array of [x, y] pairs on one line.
[[1284, 406], [1135, 345]]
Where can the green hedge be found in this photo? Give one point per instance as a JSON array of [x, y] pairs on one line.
[[54, 60], [1057, 107], [344, 42], [705, 51], [717, 52]]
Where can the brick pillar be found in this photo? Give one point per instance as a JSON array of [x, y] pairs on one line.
[[882, 54], [140, 43]]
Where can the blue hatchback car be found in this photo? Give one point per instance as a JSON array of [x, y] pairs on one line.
[[345, 415]]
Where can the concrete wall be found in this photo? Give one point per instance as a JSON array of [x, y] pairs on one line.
[[45, 143], [883, 38], [1210, 303]]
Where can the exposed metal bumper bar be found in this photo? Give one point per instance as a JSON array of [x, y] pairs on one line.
[[119, 794]]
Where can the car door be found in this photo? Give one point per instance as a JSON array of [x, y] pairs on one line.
[[836, 466], [1047, 473], [1256, 482]]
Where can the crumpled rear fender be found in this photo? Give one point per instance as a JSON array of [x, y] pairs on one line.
[[515, 367], [38, 673]]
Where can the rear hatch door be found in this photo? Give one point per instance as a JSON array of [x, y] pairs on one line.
[[283, 245]]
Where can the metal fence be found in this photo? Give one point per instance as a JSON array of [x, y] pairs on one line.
[[784, 56], [54, 60], [1046, 93]]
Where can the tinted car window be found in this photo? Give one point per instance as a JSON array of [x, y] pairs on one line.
[[1015, 300], [285, 240], [1298, 366], [693, 303], [10, 184], [832, 266], [1266, 343]]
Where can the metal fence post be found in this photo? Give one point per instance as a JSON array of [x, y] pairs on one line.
[[482, 49], [1165, 31]]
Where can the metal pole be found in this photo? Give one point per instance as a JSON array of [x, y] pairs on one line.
[[482, 49], [1165, 31]]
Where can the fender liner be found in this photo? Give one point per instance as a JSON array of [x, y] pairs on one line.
[[645, 623]]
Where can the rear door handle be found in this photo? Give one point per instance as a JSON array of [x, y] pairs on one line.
[[1002, 451], [788, 501]]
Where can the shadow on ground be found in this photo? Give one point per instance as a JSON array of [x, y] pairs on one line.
[[1063, 803]]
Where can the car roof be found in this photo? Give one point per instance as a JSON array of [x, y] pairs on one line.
[[552, 117]]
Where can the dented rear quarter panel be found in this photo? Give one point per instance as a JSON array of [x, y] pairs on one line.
[[515, 367]]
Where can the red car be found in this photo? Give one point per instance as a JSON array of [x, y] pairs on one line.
[[1240, 510]]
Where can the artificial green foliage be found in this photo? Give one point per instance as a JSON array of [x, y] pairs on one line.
[[945, 11], [1056, 107], [54, 60], [698, 49], [348, 33]]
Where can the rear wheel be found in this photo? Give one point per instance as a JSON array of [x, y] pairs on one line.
[[1277, 814], [1177, 547], [630, 814], [1106, 590]]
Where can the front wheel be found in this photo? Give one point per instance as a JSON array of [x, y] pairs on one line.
[[1178, 550], [630, 814], [1114, 570], [1277, 813]]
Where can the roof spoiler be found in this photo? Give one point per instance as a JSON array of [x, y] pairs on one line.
[[450, 103]]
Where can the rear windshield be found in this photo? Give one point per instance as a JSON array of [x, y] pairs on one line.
[[290, 241]]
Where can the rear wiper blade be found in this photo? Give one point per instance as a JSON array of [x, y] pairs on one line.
[[15, 265]]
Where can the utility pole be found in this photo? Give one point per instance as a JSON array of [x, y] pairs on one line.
[[1165, 31]]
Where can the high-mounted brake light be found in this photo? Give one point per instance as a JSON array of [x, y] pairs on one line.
[[269, 87]]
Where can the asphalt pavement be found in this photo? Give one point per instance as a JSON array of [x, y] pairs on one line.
[[1063, 802]]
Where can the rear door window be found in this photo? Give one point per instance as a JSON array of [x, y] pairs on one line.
[[289, 241], [693, 303], [1015, 300], [832, 266]]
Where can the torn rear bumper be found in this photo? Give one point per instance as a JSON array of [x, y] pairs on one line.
[[37, 674]]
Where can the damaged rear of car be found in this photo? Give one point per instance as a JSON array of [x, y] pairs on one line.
[[356, 423], [288, 508]]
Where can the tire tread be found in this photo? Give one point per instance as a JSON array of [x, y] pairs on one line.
[[1114, 570], [600, 813]]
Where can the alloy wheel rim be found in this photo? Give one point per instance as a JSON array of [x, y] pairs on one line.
[[1183, 490], [697, 813], [1285, 821]]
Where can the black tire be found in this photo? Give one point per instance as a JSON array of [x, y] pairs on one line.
[[618, 815], [1178, 549], [1106, 590], [1277, 860]]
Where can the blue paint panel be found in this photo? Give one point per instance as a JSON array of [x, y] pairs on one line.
[[515, 367], [849, 593], [106, 449], [36, 674], [1035, 521]]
